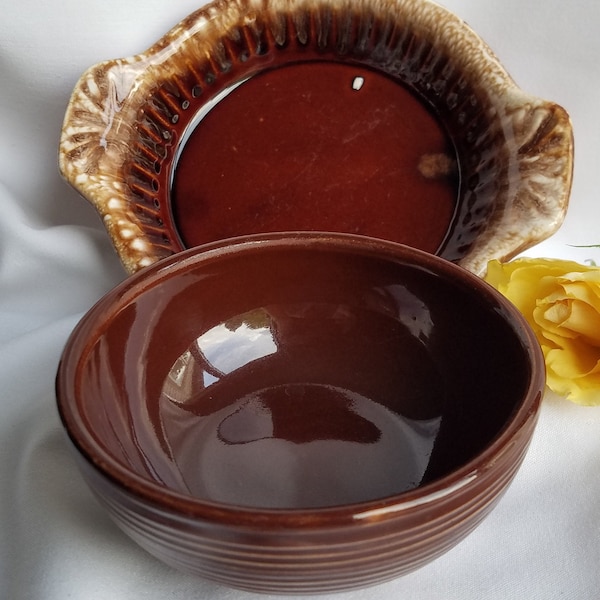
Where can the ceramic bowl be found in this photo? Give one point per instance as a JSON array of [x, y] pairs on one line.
[[387, 119], [300, 413]]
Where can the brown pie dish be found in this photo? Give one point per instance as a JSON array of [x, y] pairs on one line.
[[390, 119]]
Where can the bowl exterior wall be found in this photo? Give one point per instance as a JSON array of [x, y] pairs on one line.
[[307, 557]]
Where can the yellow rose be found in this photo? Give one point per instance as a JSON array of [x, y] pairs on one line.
[[561, 301]]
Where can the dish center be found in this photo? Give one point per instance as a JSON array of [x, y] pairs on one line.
[[315, 146]]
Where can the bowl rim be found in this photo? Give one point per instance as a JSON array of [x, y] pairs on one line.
[[439, 489]]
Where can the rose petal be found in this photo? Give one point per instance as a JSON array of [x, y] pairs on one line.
[[585, 321], [584, 289], [569, 318], [561, 301], [571, 358], [567, 376]]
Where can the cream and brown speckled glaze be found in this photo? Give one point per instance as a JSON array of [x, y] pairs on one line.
[[126, 117]]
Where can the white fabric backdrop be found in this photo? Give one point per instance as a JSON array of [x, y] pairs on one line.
[[542, 541]]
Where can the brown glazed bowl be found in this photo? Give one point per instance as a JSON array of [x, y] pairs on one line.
[[300, 413], [386, 118]]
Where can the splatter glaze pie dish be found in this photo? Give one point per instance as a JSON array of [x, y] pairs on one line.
[[300, 412], [390, 119]]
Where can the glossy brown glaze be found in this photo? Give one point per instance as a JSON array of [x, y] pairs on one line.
[[317, 145], [275, 399]]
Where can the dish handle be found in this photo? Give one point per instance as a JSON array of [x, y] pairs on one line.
[[532, 203], [95, 144]]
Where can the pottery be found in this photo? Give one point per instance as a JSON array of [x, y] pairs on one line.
[[387, 119], [300, 412]]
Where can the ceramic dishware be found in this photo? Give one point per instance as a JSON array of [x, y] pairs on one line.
[[300, 412], [391, 119]]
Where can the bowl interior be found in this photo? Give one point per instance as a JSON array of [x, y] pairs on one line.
[[295, 375]]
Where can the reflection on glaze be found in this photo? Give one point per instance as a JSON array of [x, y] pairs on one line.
[[251, 417], [264, 450], [264, 414], [221, 350], [412, 311]]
